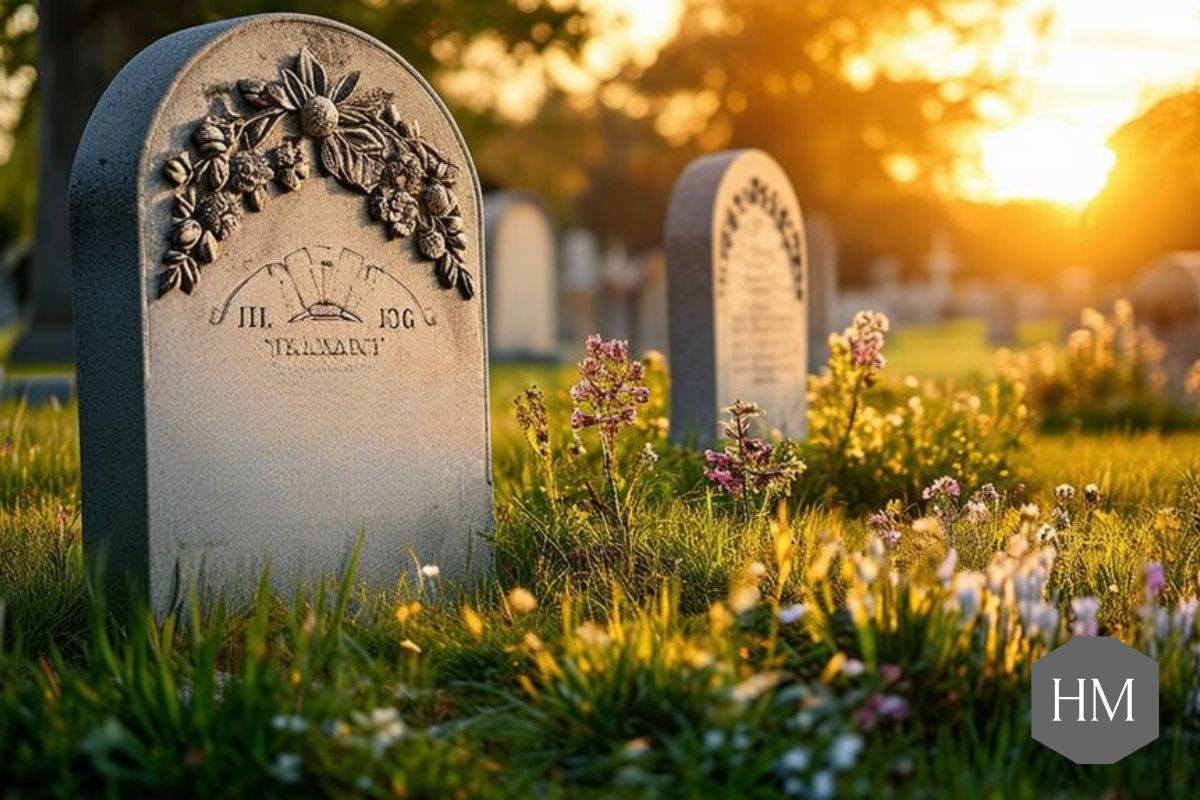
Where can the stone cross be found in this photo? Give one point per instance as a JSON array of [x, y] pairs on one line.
[[522, 277], [737, 275], [277, 246]]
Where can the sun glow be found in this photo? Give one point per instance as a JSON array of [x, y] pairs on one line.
[[1101, 64]]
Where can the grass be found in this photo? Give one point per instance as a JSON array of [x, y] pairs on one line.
[[715, 651]]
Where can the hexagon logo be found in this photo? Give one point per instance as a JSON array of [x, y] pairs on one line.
[[1095, 700]]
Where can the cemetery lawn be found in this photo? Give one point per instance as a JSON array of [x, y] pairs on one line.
[[708, 651]]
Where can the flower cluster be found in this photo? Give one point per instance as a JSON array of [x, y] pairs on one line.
[[866, 339], [610, 389], [748, 465]]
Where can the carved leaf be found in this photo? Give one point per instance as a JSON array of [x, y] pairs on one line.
[[311, 71], [364, 139], [447, 271], [342, 90], [281, 97], [296, 90], [466, 284], [352, 167], [259, 129]]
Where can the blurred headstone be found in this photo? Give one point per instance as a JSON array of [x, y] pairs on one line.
[[652, 331], [619, 279], [522, 277], [580, 286], [1166, 298], [737, 287], [823, 288], [324, 375]]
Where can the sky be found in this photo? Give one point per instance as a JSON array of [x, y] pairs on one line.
[[1102, 64]]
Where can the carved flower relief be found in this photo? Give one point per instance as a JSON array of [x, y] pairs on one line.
[[365, 147]]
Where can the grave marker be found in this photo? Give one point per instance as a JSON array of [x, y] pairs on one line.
[[277, 246], [522, 277], [737, 270]]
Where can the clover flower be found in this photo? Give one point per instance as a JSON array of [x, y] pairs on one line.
[[610, 389], [1064, 493]]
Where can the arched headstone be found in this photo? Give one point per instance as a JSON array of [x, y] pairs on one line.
[[522, 277], [737, 275], [278, 256]]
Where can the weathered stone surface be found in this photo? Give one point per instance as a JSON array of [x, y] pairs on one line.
[[737, 268], [1166, 298], [522, 277], [277, 244]]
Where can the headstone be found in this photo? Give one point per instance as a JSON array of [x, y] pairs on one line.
[[619, 278], [737, 268], [278, 249], [652, 331], [823, 288], [1166, 298], [580, 286], [522, 277]]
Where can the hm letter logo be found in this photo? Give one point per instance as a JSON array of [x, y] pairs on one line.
[[1095, 700]]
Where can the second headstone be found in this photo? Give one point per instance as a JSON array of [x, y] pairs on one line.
[[737, 283]]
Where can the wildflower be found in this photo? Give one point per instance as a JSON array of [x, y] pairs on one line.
[[943, 487], [1038, 617], [976, 512], [472, 621], [1064, 492], [1060, 518], [286, 768], [592, 635], [531, 417], [824, 785], [522, 601], [748, 465], [431, 571], [406, 611], [1084, 611], [844, 751], [986, 494], [648, 457], [1156, 579], [796, 759], [755, 686], [1091, 493], [967, 593], [1030, 513], [891, 537], [946, 568], [866, 339], [852, 667], [290, 723], [411, 646], [1047, 534], [610, 389], [793, 613], [743, 598]]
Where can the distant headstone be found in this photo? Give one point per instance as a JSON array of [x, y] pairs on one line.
[[1166, 298], [522, 277], [652, 331], [278, 250], [619, 278], [580, 286], [823, 288], [737, 268]]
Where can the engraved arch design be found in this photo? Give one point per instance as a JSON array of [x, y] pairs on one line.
[[317, 288], [756, 193]]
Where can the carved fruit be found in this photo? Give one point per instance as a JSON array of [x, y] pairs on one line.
[[207, 249], [178, 170], [318, 117], [432, 244], [210, 139], [187, 234], [439, 200]]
